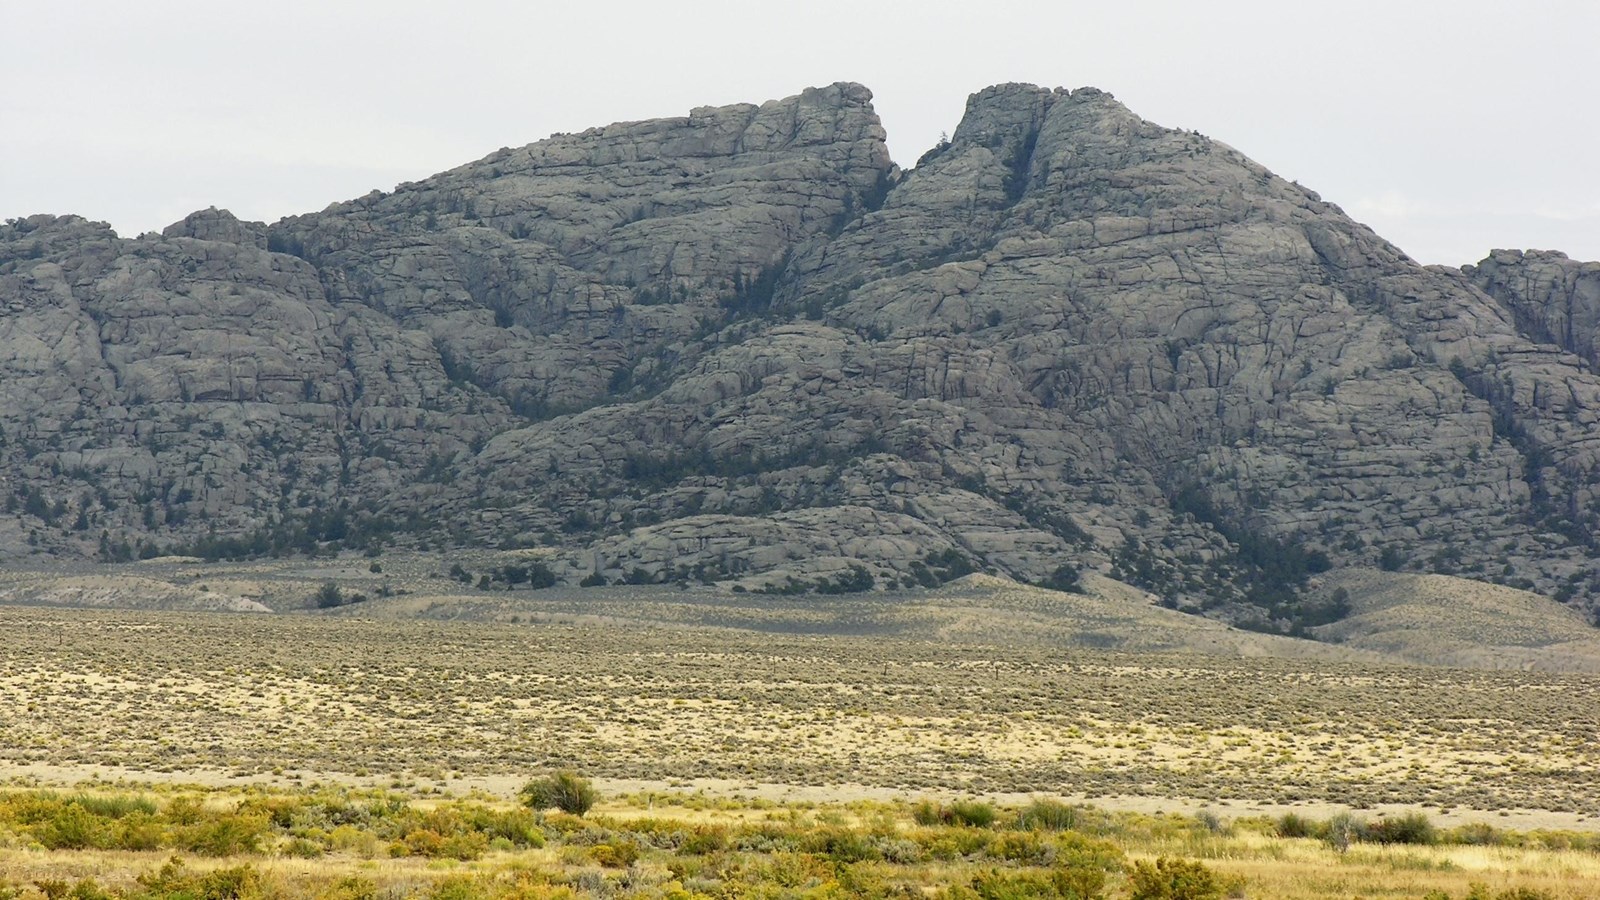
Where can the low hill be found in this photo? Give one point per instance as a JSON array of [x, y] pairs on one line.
[[1442, 620]]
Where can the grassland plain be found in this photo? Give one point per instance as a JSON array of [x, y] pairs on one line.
[[293, 699], [374, 750]]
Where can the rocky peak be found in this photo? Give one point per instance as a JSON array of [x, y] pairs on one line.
[[219, 225], [997, 115], [740, 345]]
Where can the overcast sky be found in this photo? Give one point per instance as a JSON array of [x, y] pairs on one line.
[[1449, 127]]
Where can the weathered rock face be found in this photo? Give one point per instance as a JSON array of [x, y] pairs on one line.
[[1553, 299], [744, 345], [178, 386], [546, 273]]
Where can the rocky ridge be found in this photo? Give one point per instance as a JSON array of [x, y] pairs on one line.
[[743, 346]]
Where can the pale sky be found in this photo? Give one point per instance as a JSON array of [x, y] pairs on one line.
[[1449, 127]]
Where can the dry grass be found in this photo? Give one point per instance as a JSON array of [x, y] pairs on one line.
[[723, 711], [214, 698], [1439, 619], [863, 849], [1308, 870]]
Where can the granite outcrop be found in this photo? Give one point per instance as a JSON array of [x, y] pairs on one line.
[[744, 346]]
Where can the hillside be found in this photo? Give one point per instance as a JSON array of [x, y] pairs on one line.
[[744, 347]]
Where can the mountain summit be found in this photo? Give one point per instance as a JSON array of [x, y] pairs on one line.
[[744, 346]]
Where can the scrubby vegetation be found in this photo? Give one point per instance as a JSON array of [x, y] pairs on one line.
[[235, 696], [98, 844], [967, 732]]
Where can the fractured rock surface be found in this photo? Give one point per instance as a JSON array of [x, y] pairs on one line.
[[744, 345]]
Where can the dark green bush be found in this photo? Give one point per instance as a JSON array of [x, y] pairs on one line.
[[115, 806], [1411, 828], [972, 812], [975, 813], [842, 845], [566, 791], [1294, 825], [329, 596]]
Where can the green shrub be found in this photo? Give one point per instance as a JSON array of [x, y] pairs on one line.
[[174, 881], [183, 810], [86, 889], [1011, 885], [1079, 882], [1294, 825], [231, 883], [1047, 815], [1021, 846], [787, 869], [952, 843], [115, 806], [566, 791], [139, 831], [1480, 833], [842, 845], [618, 855], [1172, 879], [1411, 828], [280, 811], [927, 813], [73, 828], [961, 812], [1340, 830], [329, 596], [519, 826], [302, 848], [1074, 851], [468, 845], [972, 812], [1052, 884], [704, 839], [423, 842], [226, 835]]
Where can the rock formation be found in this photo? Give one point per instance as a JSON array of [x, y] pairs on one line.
[[745, 346]]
